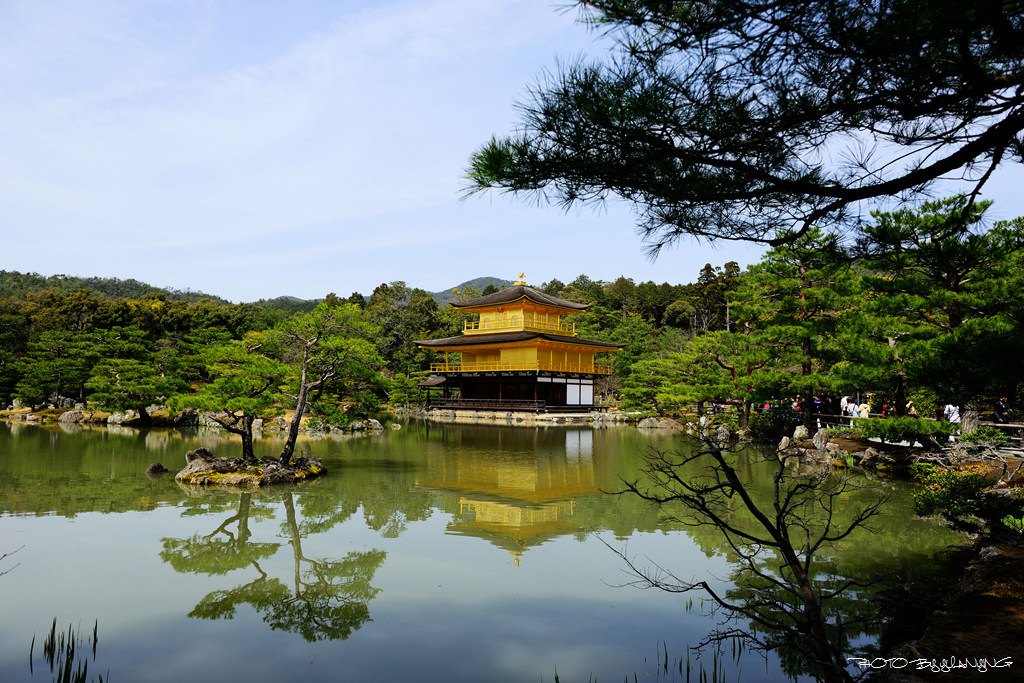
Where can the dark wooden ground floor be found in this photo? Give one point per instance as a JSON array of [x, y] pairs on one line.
[[525, 391]]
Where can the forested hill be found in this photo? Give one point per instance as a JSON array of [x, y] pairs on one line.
[[290, 305], [16, 285], [478, 284]]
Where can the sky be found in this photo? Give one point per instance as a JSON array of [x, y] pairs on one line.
[[255, 148]]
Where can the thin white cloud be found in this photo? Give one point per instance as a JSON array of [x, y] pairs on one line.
[[343, 124]]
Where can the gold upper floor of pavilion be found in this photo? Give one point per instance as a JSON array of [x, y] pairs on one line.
[[520, 329], [519, 321], [520, 308], [523, 365]]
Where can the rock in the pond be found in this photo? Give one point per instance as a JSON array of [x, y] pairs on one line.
[[648, 423], [156, 468], [187, 418], [204, 469], [199, 453]]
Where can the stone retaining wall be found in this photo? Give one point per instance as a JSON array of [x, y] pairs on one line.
[[523, 419]]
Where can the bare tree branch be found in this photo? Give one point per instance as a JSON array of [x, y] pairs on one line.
[[779, 587]]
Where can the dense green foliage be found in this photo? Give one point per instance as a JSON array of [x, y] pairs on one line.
[[241, 361], [51, 343], [242, 384], [986, 436], [962, 500], [15, 285], [773, 423], [925, 304], [907, 429], [128, 353]]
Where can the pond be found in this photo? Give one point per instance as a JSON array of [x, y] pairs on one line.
[[430, 553]]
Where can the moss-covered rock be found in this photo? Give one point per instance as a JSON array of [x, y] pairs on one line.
[[203, 469]]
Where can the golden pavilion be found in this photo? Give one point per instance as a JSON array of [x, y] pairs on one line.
[[520, 354]]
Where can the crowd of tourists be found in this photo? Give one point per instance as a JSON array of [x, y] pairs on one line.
[[834, 410]]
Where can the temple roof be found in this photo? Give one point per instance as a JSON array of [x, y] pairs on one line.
[[503, 337], [515, 293]]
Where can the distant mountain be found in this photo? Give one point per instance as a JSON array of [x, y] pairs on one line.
[[16, 285], [480, 283], [288, 304]]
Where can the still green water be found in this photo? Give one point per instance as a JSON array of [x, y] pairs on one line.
[[431, 553]]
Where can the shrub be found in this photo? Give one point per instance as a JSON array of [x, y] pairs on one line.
[[921, 470], [727, 419], [1013, 523], [365, 402], [909, 429], [962, 501], [317, 425], [986, 436], [772, 424]]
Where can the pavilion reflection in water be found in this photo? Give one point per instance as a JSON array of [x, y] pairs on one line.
[[516, 500]]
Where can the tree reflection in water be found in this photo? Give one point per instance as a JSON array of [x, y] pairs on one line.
[[796, 602], [328, 599]]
